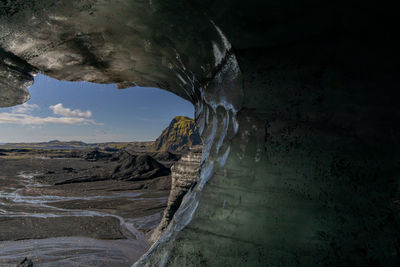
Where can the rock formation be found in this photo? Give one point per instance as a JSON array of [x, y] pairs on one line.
[[165, 156], [297, 104], [184, 174], [178, 136], [139, 167], [95, 155]]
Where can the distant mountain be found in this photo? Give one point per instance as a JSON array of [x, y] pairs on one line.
[[54, 144], [72, 145], [178, 136]]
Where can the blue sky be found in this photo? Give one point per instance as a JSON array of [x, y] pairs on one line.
[[90, 113]]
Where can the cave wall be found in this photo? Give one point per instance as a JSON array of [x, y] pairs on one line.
[[297, 104]]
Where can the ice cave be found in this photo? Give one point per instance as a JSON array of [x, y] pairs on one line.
[[297, 103]]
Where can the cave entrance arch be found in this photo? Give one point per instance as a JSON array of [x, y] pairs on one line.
[[66, 199], [108, 44]]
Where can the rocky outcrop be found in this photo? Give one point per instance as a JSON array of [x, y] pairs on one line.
[[180, 135], [184, 174], [165, 156], [139, 167], [94, 166], [95, 155]]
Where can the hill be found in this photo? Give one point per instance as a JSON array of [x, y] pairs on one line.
[[78, 145], [178, 136]]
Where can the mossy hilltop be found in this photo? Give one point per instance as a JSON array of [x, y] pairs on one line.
[[180, 135]]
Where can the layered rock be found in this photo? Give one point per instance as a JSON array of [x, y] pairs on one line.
[[180, 135], [184, 174]]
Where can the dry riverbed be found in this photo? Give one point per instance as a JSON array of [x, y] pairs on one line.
[[82, 209]]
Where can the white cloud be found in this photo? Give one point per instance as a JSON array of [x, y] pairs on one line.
[[25, 119], [67, 112], [25, 108], [21, 115]]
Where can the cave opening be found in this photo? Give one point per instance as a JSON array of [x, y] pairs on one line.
[[87, 172], [199, 66]]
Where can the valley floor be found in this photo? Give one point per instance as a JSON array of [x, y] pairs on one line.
[[71, 211]]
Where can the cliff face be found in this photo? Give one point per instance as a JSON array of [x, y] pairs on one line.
[[178, 136], [184, 173], [297, 105]]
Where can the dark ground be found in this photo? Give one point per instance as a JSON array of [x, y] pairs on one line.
[[49, 194]]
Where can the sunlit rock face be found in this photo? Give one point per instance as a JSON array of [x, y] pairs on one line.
[[297, 105], [180, 135]]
